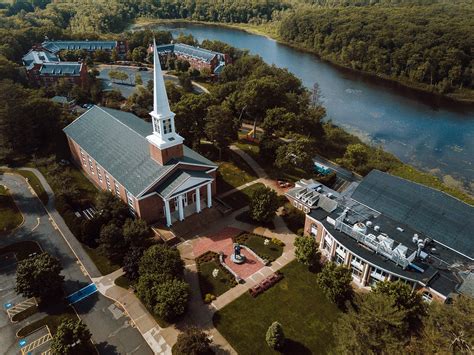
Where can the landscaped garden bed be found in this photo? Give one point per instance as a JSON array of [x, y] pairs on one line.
[[210, 285], [296, 302], [265, 248]]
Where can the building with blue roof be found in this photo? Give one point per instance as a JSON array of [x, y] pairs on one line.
[[90, 46], [144, 164]]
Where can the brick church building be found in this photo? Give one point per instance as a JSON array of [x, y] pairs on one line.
[[144, 164]]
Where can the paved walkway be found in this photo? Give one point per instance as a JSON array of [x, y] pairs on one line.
[[159, 339], [261, 173]]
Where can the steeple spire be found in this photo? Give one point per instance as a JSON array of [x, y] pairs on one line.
[[164, 134], [161, 106]]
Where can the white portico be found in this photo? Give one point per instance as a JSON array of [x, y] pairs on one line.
[[186, 192]]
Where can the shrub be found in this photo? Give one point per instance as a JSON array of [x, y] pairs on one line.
[[278, 242], [192, 341], [171, 299], [209, 298], [275, 337]]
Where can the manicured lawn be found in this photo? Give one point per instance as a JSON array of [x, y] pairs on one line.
[[22, 249], [296, 302], [10, 216], [241, 198], [233, 172], [257, 244], [210, 284], [35, 184], [103, 264], [245, 217]]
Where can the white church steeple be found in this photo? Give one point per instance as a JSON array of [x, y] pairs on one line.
[[164, 134]]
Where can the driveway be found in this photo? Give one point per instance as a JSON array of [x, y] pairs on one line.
[[113, 334], [127, 87]]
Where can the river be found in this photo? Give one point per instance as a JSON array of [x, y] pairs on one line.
[[429, 132]]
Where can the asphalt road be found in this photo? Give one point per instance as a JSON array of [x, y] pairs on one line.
[[110, 328]]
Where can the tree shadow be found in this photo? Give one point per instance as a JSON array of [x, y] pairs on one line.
[[105, 348], [295, 347]]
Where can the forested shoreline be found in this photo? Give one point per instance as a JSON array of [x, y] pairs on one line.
[[424, 44]]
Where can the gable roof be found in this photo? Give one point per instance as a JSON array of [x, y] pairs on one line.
[[56, 46], [61, 68], [116, 140], [441, 217], [203, 54], [182, 180]]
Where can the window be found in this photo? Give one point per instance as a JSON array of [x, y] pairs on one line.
[[107, 180], [91, 166], [327, 244], [99, 174], [339, 260], [356, 272], [83, 157], [427, 297], [117, 188], [167, 126]]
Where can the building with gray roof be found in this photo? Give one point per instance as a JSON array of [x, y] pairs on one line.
[[199, 58], [145, 164], [389, 228]]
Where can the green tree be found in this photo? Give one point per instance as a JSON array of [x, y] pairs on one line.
[[193, 341], [160, 259], [263, 204], [138, 79], [112, 243], [72, 337], [114, 55], [306, 250], [185, 81], [39, 276], [111, 208], [356, 157], [146, 287], [131, 262], [449, 328], [335, 281], [137, 233], [118, 75], [182, 65], [275, 337], [221, 127], [297, 154], [405, 299], [101, 56], [139, 54], [373, 313], [171, 299]]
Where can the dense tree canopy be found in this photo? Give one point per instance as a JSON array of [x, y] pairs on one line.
[[429, 45]]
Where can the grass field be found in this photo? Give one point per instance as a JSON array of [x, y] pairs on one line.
[[296, 302], [10, 216], [256, 243], [233, 172], [35, 184], [210, 284], [103, 264], [241, 198]]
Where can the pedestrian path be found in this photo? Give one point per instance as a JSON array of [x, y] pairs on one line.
[[159, 339]]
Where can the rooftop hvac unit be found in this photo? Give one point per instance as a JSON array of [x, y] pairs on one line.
[[377, 228], [360, 228], [368, 223], [319, 189], [415, 238]]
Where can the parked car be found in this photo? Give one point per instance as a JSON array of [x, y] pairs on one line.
[[142, 69]]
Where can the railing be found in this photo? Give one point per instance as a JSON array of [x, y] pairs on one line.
[[372, 243]]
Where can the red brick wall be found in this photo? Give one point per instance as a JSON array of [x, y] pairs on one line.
[[163, 156]]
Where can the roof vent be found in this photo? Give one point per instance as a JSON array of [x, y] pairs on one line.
[[400, 229], [377, 228], [415, 238], [359, 227], [368, 223]]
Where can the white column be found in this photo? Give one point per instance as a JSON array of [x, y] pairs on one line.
[[198, 200], [209, 196], [180, 207], [168, 213]]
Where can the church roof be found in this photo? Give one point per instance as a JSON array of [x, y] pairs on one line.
[[116, 140]]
